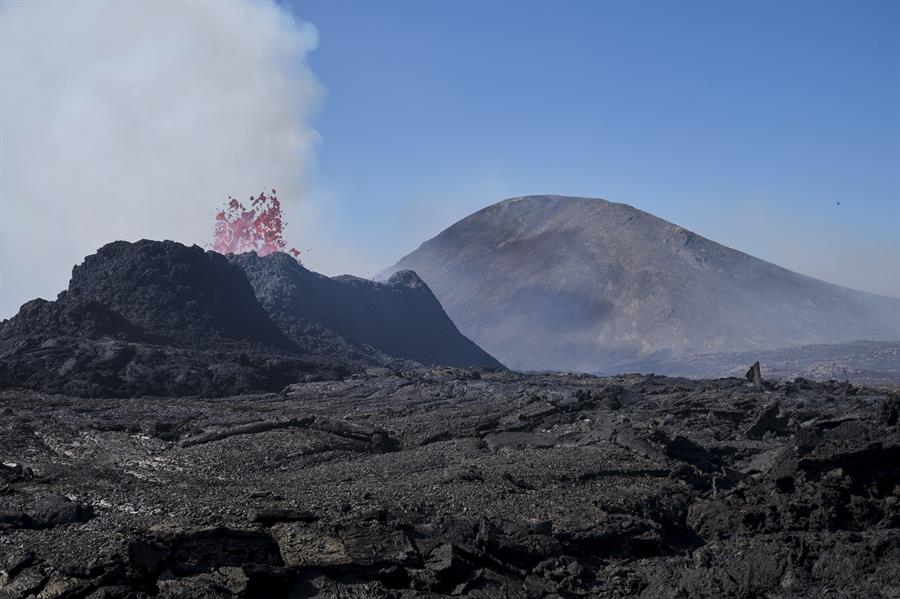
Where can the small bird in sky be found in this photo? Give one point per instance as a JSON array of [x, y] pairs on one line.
[[838, 203]]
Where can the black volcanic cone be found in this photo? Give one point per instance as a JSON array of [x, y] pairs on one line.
[[163, 319], [174, 293]]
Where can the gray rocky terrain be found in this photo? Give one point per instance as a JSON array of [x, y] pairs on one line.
[[860, 362], [456, 482], [559, 283]]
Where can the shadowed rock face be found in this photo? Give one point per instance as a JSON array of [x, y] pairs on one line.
[[161, 318], [550, 282], [401, 318], [176, 294]]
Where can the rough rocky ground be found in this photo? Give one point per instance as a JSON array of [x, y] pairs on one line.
[[861, 362], [472, 483]]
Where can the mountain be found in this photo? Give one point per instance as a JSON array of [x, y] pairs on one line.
[[161, 318], [560, 283]]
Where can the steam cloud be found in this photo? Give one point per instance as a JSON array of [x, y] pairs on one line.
[[130, 120]]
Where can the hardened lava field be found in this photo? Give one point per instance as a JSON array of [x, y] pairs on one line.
[[464, 482]]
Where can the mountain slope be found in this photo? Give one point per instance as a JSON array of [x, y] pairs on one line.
[[550, 282], [401, 318]]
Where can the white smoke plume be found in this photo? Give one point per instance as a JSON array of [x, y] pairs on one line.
[[136, 119]]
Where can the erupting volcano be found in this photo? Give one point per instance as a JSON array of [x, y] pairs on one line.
[[258, 229]]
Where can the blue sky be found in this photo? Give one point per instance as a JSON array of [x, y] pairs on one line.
[[744, 121]]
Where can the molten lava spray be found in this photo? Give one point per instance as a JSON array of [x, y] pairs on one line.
[[259, 228]]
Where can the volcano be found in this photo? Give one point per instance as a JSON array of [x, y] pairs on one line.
[[563, 283], [161, 318]]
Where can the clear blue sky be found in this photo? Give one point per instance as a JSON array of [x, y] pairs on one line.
[[744, 121]]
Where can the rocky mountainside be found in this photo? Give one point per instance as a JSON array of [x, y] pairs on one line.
[[161, 318], [450, 482], [401, 318], [558, 283]]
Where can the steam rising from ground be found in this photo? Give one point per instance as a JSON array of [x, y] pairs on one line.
[[130, 120]]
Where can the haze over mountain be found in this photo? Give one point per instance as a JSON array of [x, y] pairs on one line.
[[561, 283]]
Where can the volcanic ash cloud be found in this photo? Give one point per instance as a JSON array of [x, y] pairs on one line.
[[133, 120]]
